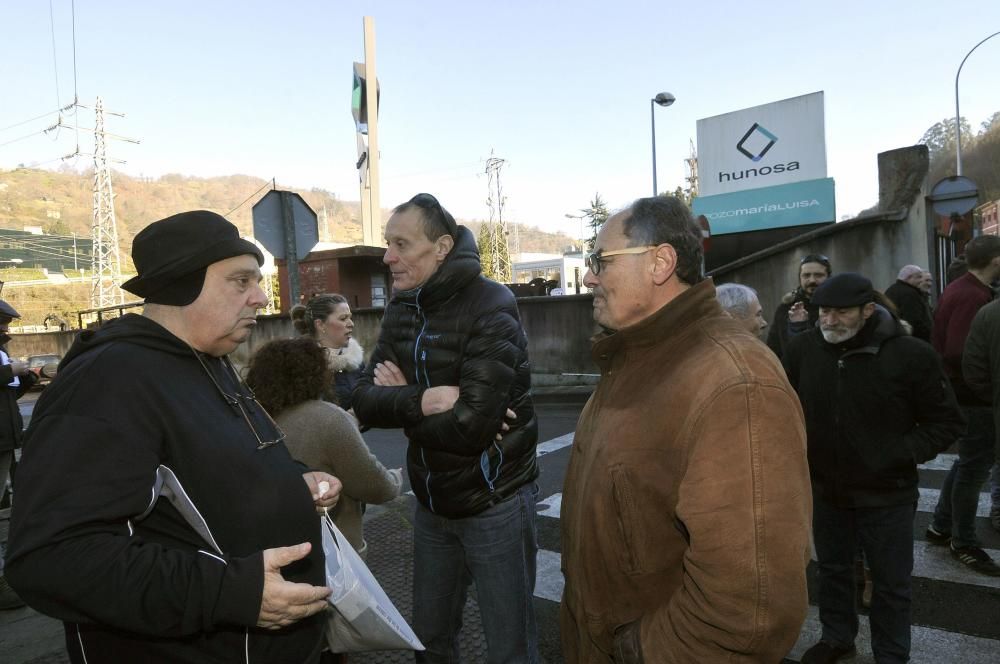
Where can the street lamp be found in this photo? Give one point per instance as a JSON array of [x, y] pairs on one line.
[[958, 118], [662, 99], [583, 233]]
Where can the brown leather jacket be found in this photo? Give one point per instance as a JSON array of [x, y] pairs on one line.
[[687, 503]]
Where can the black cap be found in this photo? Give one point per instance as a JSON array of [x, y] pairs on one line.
[[847, 289], [8, 311], [172, 254]]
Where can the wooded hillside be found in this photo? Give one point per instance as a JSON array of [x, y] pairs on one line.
[[61, 202]]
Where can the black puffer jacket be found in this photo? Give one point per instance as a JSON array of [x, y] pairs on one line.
[[462, 329], [875, 406]]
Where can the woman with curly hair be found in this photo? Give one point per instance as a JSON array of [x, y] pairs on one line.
[[288, 376], [327, 319]]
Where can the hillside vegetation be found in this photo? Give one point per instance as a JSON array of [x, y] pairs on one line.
[[980, 154], [61, 203]]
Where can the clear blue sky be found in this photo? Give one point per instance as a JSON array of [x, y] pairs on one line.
[[559, 89]]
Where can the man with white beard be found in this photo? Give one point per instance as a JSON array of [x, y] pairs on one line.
[[876, 404]]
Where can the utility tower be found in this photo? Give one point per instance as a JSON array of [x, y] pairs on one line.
[[692, 171], [493, 235], [107, 273]]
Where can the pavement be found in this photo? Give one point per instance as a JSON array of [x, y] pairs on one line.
[[954, 610]]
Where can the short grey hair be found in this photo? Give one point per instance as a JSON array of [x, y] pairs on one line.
[[667, 220], [736, 298], [908, 271]]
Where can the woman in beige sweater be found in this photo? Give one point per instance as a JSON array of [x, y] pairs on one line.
[[288, 377]]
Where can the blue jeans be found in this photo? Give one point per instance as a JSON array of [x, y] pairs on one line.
[[886, 536], [956, 509], [496, 549]]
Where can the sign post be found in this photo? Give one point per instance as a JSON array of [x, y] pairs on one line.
[[286, 226]]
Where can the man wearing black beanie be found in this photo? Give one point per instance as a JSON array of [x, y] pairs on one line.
[[876, 404], [156, 502]]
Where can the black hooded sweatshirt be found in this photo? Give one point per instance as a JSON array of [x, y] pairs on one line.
[[145, 501], [462, 329]]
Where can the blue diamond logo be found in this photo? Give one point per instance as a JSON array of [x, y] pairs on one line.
[[756, 129]]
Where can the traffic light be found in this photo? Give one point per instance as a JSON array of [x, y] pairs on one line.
[[359, 98]]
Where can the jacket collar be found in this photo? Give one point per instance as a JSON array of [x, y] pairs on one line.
[[878, 329], [459, 268], [346, 359], [664, 326]]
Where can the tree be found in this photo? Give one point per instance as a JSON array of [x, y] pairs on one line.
[[684, 195], [940, 138], [993, 122], [595, 216]]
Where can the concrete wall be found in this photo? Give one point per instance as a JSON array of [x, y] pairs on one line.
[[558, 329], [41, 343]]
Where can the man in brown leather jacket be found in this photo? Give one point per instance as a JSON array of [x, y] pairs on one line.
[[686, 508]]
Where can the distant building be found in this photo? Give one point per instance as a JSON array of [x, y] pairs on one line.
[[565, 270], [989, 218], [356, 272]]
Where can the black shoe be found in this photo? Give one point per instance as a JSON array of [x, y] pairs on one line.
[[976, 559], [935, 537], [826, 653]]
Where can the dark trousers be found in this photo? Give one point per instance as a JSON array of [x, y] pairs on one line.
[[886, 537], [955, 513]]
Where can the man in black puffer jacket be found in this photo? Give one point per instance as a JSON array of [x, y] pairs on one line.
[[877, 404], [450, 366]]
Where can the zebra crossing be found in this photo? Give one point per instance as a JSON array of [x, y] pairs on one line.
[[956, 616]]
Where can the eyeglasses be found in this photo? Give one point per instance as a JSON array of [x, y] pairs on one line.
[[237, 401], [596, 260]]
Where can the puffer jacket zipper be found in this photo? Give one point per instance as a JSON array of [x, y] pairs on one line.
[[420, 359]]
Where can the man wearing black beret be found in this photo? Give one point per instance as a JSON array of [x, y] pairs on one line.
[[156, 502], [877, 404]]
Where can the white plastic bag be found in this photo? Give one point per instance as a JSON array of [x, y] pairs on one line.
[[363, 617]]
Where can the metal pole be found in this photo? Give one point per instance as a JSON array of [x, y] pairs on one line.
[[652, 122], [372, 232], [958, 117], [291, 253]]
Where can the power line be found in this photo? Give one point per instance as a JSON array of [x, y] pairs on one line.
[[55, 61], [53, 236], [76, 96], [249, 197], [73, 9], [37, 117], [54, 252], [26, 136]]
